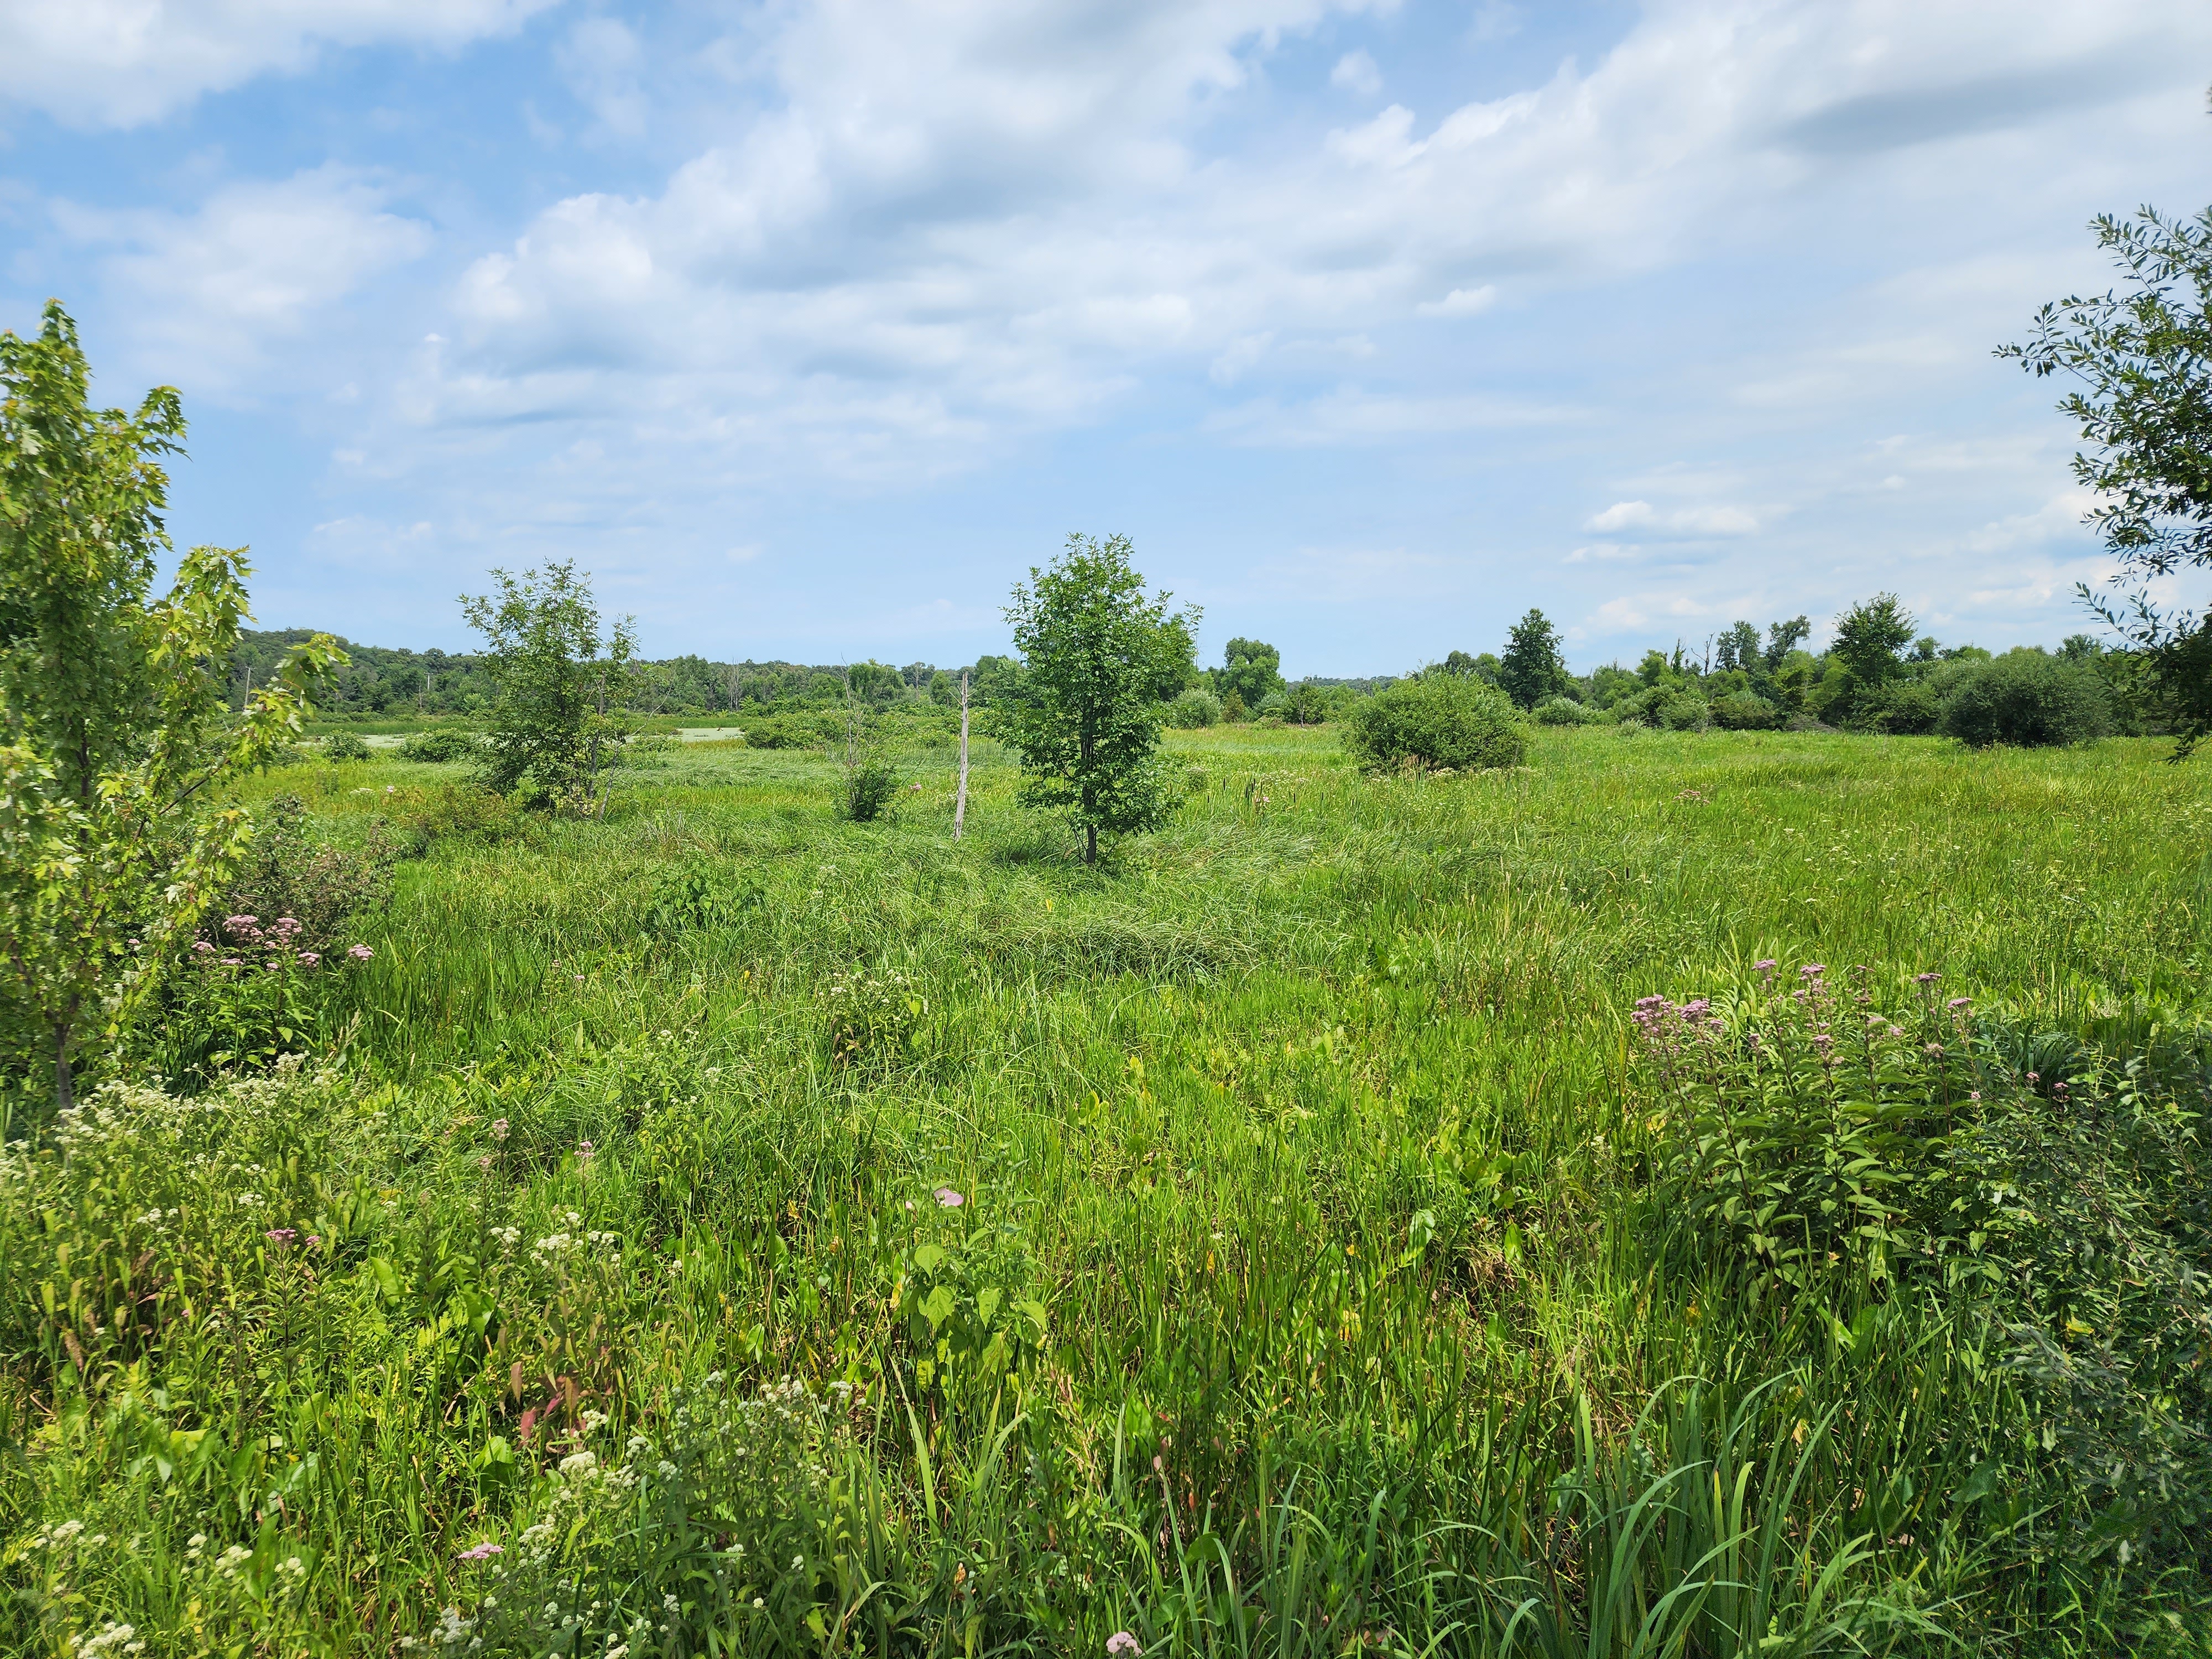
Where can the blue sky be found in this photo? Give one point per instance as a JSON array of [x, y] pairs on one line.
[[808, 328]]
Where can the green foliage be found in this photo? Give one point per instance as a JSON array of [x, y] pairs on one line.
[[442, 745], [347, 746], [869, 780], [1311, 1134], [1565, 711], [1741, 711], [1813, 1137], [2029, 699], [1905, 707], [1437, 721], [1870, 637], [794, 731], [559, 714], [874, 1018], [1533, 668], [1194, 710], [1250, 671], [114, 835], [1099, 659], [688, 897], [2143, 355], [1305, 704]]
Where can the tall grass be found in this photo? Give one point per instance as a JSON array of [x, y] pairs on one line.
[[1297, 1298]]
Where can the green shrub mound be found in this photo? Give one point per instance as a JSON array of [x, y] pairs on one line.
[[1564, 711], [2029, 700], [1438, 720], [1195, 709], [346, 746], [1741, 711], [2026, 1184], [441, 746]]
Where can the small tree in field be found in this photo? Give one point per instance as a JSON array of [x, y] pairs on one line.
[[558, 721], [117, 744], [1100, 660], [1532, 668]]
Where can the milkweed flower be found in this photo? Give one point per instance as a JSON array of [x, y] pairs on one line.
[[1120, 1643], [280, 1236], [478, 1552]]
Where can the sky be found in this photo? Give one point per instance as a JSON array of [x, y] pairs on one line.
[[809, 328]]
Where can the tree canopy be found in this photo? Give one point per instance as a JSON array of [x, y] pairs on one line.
[[1099, 660]]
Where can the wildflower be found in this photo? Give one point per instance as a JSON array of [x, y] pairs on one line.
[[314, 1241], [484, 1163], [293, 1567], [498, 1128], [584, 1151], [1764, 965], [311, 958], [195, 1543], [948, 1198], [1813, 970], [579, 1463], [280, 1236], [483, 1552], [1120, 1643], [360, 952], [1958, 1002], [758, 1604], [1926, 979], [203, 947]]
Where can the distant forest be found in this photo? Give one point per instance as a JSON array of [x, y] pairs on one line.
[[1878, 674]]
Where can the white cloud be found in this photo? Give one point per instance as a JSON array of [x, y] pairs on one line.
[[1709, 520], [1357, 72], [1353, 415], [119, 63], [602, 62], [1462, 302], [207, 294]]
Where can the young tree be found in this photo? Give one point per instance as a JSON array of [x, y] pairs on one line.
[[1099, 660], [118, 743], [1252, 669], [1738, 648], [1782, 638], [1532, 668], [1869, 636], [558, 717], [2144, 359]]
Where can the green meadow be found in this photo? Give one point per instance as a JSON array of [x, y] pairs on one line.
[[735, 1229]]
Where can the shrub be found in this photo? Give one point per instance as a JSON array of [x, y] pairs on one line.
[[2026, 698], [1565, 711], [1905, 708], [1193, 710], [1305, 705], [1807, 1140], [794, 731], [873, 1017], [346, 746], [1741, 711], [442, 746], [866, 788], [1437, 721]]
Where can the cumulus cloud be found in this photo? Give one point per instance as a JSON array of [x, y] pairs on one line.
[[208, 293], [119, 63], [1357, 72], [1008, 211], [1709, 520]]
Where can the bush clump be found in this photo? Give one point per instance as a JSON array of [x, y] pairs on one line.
[[1565, 711], [441, 747], [1438, 720], [2027, 698], [1195, 709], [346, 746], [1742, 711]]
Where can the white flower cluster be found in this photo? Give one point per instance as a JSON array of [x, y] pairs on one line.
[[113, 1638]]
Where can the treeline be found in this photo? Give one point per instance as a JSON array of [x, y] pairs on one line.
[[1879, 674]]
